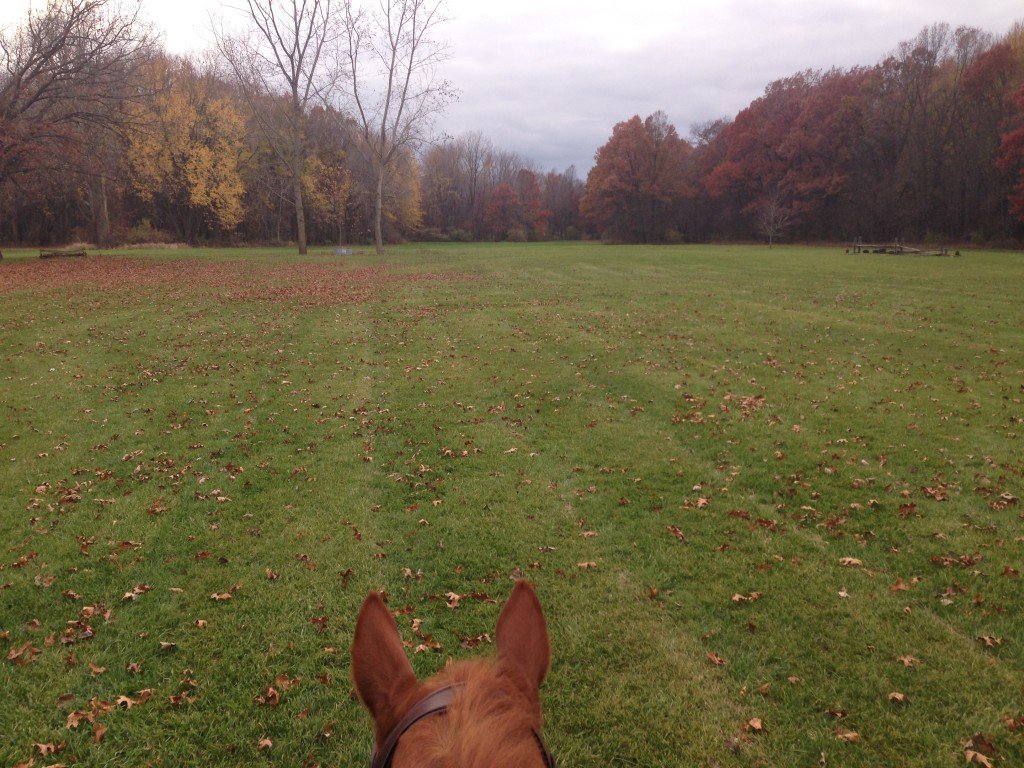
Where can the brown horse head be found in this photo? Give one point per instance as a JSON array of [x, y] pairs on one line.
[[474, 714]]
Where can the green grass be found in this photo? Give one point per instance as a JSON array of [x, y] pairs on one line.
[[780, 409]]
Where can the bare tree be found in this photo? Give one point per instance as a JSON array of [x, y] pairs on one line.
[[773, 217], [64, 76], [393, 59], [282, 63]]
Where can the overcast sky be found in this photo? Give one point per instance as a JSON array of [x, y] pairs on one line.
[[549, 78]]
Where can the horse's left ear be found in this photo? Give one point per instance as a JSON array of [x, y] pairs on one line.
[[380, 669], [522, 635]]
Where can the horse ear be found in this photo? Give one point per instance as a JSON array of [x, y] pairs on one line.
[[522, 635], [380, 669]]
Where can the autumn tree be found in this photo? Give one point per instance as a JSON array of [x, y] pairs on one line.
[[1011, 155], [638, 181], [186, 154], [328, 175], [65, 74], [503, 213], [286, 50], [533, 216], [393, 58], [561, 199]]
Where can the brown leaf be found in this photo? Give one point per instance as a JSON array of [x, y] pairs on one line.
[[587, 565], [269, 698], [851, 562], [897, 698], [908, 661], [976, 757], [752, 597], [285, 682], [848, 736], [264, 744], [676, 531], [715, 659], [98, 732], [96, 669]]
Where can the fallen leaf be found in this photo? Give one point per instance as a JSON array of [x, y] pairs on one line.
[[715, 659], [851, 562], [897, 698], [750, 598], [976, 757], [848, 736], [269, 698], [264, 744]]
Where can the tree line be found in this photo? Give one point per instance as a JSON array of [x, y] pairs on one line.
[[312, 122], [926, 145]]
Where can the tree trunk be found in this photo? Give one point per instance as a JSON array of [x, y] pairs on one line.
[[378, 210], [102, 213], [296, 169], [300, 216]]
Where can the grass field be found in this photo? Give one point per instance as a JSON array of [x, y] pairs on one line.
[[760, 494]]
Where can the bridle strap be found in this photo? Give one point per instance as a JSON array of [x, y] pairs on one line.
[[432, 704]]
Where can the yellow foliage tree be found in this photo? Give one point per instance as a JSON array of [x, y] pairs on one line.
[[186, 152]]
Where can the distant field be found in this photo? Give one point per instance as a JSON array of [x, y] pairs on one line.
[[770, 499]]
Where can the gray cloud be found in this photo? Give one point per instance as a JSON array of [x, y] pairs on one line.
[[550, 80]]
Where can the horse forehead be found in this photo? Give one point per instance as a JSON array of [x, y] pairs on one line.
[[488, 724], [434, 744]]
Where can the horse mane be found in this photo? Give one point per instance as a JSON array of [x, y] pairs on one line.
[[489, 724]]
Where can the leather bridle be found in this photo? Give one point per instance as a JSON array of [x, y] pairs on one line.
[[433, 704]]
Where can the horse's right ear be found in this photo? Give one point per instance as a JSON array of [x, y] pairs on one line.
[[522, 636], [380, 669]]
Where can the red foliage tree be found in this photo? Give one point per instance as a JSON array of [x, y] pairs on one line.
[[502, 213], [634, 190], [1011, 154], [532, 214]]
